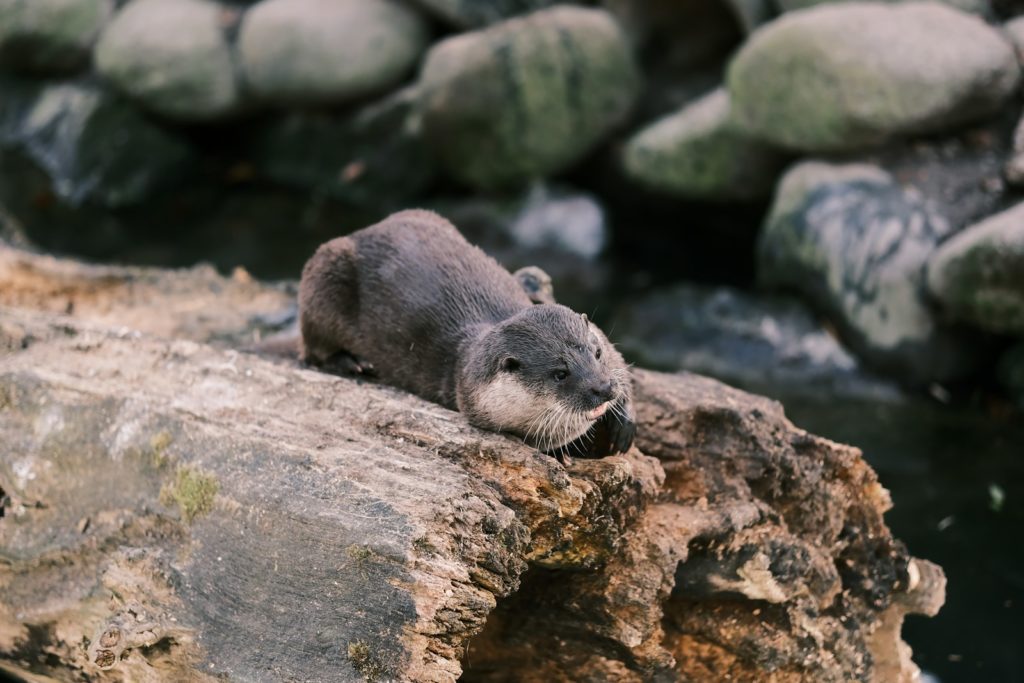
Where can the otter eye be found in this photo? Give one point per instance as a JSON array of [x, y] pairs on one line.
[[510, 364], [597, 354], [560, 374]]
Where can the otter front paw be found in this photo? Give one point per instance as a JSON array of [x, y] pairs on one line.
[[621, 432], [612, 434]]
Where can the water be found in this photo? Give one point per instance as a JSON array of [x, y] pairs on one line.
[[945, 469]]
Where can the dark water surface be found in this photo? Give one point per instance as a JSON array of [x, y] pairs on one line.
[[939, 464]]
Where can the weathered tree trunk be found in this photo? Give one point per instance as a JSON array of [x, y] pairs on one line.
[[174, 509]]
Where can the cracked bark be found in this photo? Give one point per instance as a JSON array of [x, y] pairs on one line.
[[175, 509]]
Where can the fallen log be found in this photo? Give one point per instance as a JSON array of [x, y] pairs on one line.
[[175, 509]]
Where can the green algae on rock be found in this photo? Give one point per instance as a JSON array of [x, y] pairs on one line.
[[978, 275], [699, 153], [50, 36], [192, 490], [854, 243], [527, 97], [844, 76]]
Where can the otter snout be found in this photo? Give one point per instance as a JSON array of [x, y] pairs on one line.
[[602, 391]]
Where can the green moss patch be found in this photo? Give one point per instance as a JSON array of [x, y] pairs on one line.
[[192, 490]]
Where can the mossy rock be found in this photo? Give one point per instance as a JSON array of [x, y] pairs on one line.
[[978, 275], [854, 243], [698, 153], [849, 75], [47, 36], [527, 97], [173, 57]]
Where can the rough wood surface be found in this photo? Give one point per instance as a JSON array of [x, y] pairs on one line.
[[175, 509]]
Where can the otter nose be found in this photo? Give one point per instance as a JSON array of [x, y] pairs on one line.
[[602, 392]]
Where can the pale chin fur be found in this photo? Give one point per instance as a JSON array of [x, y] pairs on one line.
[[541, 421]]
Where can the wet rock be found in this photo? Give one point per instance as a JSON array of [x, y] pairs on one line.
[[1011, 373], [94, 146], [855, 243], [764, 343], [476, 13], [310, 50], [372, 156], [698, 153], [527, 97], [915, 68], [173, 57], [978, 275], [559, 229], [45, 36], [982, 7]]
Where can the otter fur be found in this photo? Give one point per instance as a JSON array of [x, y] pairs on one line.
[[410, 300]]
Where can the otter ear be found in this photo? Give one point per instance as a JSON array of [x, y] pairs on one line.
[[509, 364], [585, 318]]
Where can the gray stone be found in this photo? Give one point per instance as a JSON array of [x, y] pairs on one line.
[[173, 57], [94, 146], [373, 156], [854, 243], [50, 35], [978, 275], [850, 75], [982, 7], [527, 97], [1010, 373], [309, 50], [772, 344], [698, 153], [477, 13]]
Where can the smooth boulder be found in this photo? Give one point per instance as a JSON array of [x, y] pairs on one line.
[[978, 275], [173, 57], [45, 36], [698, 153], [765, 343], [309, 50], [527, 97], [849, 75], [852, 241]]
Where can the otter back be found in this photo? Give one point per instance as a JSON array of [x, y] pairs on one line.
[[404, 295]]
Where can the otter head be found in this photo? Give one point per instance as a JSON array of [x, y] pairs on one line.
[[541, 374]]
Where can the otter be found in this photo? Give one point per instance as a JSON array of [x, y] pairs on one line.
[[411, 301]]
